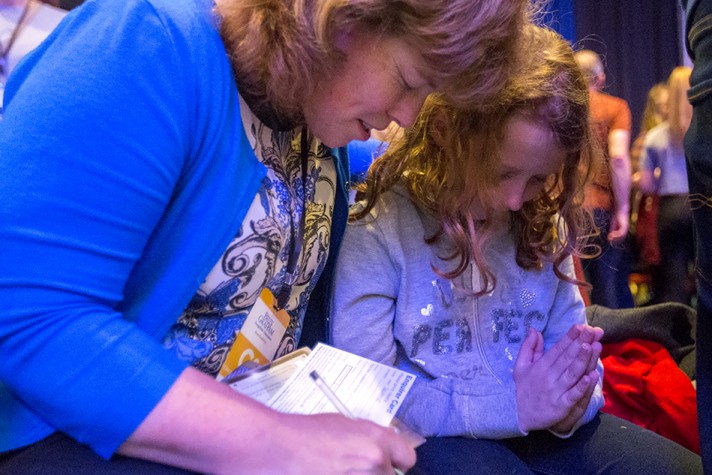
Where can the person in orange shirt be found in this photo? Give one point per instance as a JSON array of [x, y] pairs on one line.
[[608, 194]]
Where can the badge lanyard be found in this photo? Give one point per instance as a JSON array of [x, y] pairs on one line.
[[295, 244]]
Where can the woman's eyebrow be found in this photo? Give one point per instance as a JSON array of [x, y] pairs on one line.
[[508, 168]]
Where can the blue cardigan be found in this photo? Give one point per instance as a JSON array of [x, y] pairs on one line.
[[125, 173]]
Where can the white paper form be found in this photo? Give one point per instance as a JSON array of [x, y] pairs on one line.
[[263, 383], [370, 390]]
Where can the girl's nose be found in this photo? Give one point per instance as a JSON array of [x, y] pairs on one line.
[[515, 199]]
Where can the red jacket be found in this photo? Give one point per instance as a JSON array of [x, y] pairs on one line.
[[643, 384]]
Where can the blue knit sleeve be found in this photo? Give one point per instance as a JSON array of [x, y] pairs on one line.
[[94, 146]]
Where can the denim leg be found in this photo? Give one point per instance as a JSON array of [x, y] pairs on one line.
[[460, 455], [698, 149], [60, 455], [606, 445]]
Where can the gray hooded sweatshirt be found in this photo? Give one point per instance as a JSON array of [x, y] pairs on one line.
[[390, 306]]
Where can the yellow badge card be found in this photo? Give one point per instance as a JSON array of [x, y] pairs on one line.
[[260, 335]]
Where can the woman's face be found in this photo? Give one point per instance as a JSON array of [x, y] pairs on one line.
[[529, 155], [381, 80]]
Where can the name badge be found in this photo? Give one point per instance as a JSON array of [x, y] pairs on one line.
[[259, 336]]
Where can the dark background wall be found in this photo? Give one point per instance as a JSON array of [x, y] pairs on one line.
[[639, 41], [69, 4]]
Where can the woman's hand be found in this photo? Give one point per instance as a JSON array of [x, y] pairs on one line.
[[206, 426], [332, 444]]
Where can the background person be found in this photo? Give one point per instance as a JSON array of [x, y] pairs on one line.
[[664, 173], [608, 194], [644, 207]]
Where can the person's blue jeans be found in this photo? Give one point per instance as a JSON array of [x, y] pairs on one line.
[[698, 149], [60, 455], [609, 272], [606, 445]]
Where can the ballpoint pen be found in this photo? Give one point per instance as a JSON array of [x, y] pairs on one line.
[[336, 402], [331, 395]]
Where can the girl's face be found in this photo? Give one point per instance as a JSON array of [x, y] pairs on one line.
[[529, 155], [382, 81]]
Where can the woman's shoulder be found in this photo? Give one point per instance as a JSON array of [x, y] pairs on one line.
[[184, 19]]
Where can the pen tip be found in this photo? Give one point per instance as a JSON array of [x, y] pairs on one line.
[[314, 375]]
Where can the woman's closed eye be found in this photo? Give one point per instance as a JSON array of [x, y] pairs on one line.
[[405, 85], [507, 175]]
